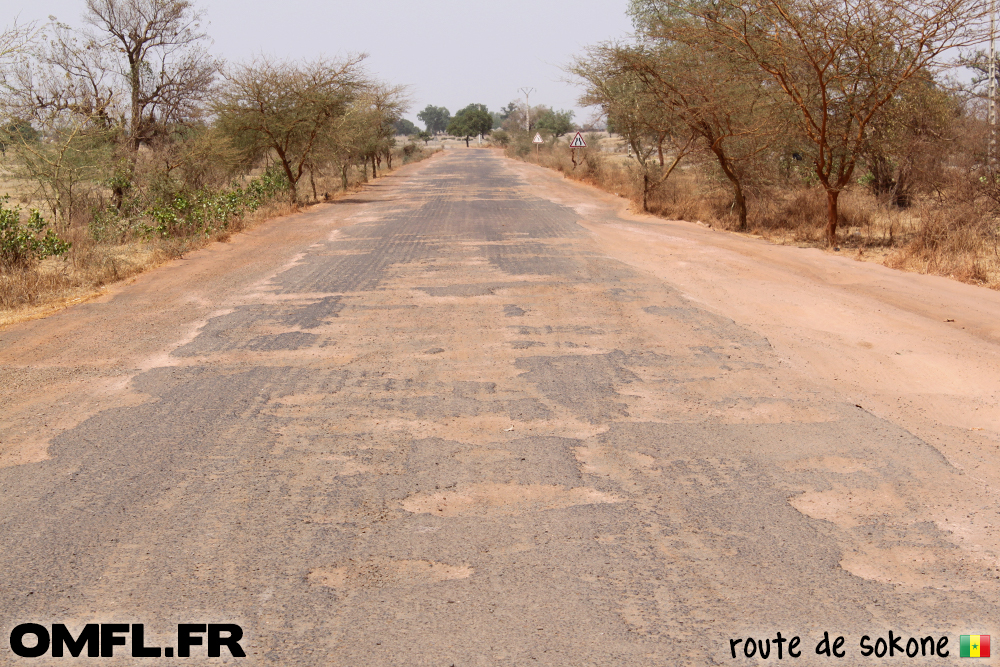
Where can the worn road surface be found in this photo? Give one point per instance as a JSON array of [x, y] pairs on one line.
[[480, 416]]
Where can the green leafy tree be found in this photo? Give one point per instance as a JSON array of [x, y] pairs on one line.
[[405, 127], [18, 131], [435, 118], [474, 120], [556, 123]]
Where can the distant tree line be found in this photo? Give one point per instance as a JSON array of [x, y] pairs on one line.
[[476, 120]]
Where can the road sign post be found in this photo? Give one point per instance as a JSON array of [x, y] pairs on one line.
[[538, 141], [577, 142]]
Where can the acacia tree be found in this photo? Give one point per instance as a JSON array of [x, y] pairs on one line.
[[142, 65], [158, 51], [838, 63], [286, 108], [649, 128], [388, 104], [910, 144], [13, 41], [721, 102], [345, 142]]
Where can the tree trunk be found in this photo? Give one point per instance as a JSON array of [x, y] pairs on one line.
[[741, 205], [388, 158], [312, 182], [343, 175], [124, 181], [740, 202], [645, 192], [466, 142], [374, 173], [292, 192], [831, 222]]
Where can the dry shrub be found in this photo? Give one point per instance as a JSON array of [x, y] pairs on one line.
[[685, 196], [957, 241]]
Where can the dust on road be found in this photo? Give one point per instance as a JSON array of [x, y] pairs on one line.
[[482, 417]]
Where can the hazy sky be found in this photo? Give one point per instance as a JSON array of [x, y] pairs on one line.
[[450, 52]]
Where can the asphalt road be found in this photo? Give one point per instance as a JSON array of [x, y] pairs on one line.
[[438, 425]]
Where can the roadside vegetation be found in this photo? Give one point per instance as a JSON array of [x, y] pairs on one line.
[[124, 142], [841, 124]]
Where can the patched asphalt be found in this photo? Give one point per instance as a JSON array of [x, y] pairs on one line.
[[456, 433]]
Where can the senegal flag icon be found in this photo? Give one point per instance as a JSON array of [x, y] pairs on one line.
[[975, 646]]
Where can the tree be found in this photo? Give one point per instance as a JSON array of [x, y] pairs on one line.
[[346, 140], [473, 120], [720, 100], [506, 111], [386, 106], [62, 94], [161, 54], [648, 127], [17, 131], [911, 141], [286, 108], [405, 127], [435, 118], [556, 123], [13, 41], [141, 66], [837, 63]]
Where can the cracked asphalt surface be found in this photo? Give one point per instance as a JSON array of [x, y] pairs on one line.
[[439, 425]]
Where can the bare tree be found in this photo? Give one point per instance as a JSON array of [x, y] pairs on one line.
[[14, 41], [58, 92], [160, 55], [837, 62], [141, 66], [287, 108]]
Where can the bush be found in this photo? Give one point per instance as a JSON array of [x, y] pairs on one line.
[[23, 244], [415, 153], [184, 214]]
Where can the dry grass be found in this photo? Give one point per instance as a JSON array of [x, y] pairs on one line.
[[952, 237]]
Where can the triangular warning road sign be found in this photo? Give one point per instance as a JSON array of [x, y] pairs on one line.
[[578, 141], [538, 139]]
